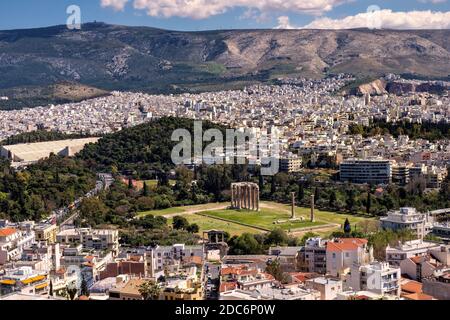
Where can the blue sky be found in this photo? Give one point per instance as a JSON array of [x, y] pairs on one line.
[[245, 14]]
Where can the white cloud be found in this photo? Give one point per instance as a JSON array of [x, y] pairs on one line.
[[284, 23], [202, 9], [386, 19], [117, 5]]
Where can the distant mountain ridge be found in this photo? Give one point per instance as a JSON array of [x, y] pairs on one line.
[[111, 57]]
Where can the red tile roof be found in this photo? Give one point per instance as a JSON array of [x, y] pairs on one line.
[[5, 232], [349, 244], [418, 296], [412, 287], [227, 286]]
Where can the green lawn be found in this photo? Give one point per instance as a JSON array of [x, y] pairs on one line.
[[331, 217], [209, 218], [182, 210], [207, 224], [263, 219]]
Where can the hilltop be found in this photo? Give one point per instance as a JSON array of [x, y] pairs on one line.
[[111, 57]]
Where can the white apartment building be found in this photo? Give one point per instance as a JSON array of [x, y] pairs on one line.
[[98, 239], [410, 219], [377, 277], [12, 243], [344, 253], [409, 249], [314, 256], [162, 256], [328, 288]]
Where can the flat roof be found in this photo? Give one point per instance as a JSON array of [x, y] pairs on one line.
[[40, 150]]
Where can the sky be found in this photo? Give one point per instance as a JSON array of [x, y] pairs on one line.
[[195, 15]]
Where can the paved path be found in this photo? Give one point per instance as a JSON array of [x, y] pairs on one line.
[[191, 211]]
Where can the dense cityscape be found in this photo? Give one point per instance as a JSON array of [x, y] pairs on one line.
[[211, 159], [303, 250]]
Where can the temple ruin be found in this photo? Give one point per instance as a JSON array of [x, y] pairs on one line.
[[245, 195]]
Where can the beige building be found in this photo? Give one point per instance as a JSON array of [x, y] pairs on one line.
[[126, 289], [28, 153], [46, 232]]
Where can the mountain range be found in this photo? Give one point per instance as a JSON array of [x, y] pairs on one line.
[[112, 57]]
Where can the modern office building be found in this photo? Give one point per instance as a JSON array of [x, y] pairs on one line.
[[372, 171]]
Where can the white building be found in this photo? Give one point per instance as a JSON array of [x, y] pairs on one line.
[[162, 256], [415, 248], [12, 243], [344, 253], [98, 239], [314, 256], [328, 288], [409, 219], [377, 277]]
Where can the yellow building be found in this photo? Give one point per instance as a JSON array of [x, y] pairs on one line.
[[46, 233], [189, 294]]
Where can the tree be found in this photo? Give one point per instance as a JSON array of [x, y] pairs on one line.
[[50, 291], [71, 292], [180, 223], [301, 192], [130, 183], [347, 226], [274, 268], [316, 195], [261, 182], [244, 244], [333, 199], [273, 186], [193, 228], [150, 290], [93, 210], [350, 201], [277, 237], [369, 202], [84, 290], [145, 192]]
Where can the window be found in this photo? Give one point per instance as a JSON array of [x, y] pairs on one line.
[[347, 254], [334, 255]]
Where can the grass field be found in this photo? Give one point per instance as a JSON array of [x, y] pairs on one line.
[[207, 224], [263, 219], [208, 217]]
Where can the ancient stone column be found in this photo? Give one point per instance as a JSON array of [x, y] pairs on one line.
[[232, 196], [312, 208], [293, 205], [257, 198]]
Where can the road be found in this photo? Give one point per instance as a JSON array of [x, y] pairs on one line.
[[104, 181]]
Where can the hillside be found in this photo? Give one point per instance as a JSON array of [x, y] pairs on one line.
[[62, 92], [113, 57], [141, 149]]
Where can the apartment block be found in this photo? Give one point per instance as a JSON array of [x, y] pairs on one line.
[[371, 171], [377, 277]]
